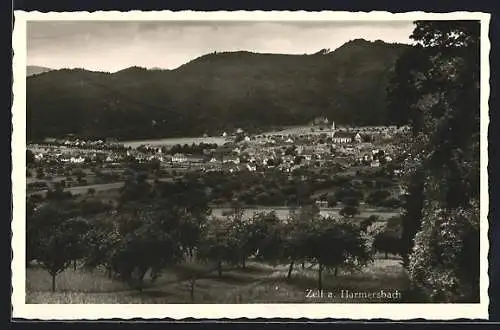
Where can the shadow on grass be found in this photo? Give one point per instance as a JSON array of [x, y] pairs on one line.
[[150, 293], [231, 278], [255, 269]]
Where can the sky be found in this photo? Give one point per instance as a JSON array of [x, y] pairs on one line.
[[115, 45]]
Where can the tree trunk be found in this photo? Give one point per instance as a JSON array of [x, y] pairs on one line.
[[74, 265], [320, 271], [141, 278], [193, 282], [336, 271], [219, 268], [290, 269], [243, 263], [109, 272], [53, 282], [155, 273]]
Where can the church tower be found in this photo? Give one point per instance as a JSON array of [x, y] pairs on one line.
[[333, 128]]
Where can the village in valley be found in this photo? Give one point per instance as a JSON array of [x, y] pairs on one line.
[[352, 173], [84, 167], [246, 176]]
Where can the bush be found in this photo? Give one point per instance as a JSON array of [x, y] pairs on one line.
[[391, 203], [349, 211], [39, 174], [445, 259]]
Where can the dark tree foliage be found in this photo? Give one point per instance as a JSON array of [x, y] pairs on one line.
[[436, 91], [268, 237], [30, 157], [218, 245], [349, 211], [388, 240], [412, 215], [332, 243], [377, 197], [295, 235], [55, 238], [148, 246]]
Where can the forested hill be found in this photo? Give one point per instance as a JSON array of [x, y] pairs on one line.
[[215, 92]]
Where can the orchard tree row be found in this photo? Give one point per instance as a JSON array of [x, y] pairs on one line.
[[137, 239]]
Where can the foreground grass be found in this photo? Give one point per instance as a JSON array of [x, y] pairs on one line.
[[258, 283]]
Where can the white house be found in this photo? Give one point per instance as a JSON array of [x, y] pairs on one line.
[[368, 158], [179, 158], [345, 137], [77, 160], [160, 158], [322, 204], [231, 159]]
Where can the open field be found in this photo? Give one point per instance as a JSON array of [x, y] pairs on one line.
[[283, 212], [173, 141], [103, 187], [258, 283], [297, 130], [80, 190]]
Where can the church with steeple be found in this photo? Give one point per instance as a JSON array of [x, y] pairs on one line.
[[344, 137]]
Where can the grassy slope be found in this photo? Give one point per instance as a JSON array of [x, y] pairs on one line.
[[259, 283]]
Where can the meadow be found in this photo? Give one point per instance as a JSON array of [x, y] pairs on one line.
[[257, 283]]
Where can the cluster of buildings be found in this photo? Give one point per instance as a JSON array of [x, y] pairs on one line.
[[253, 153], [65, 154], [375, 158], [72, 142]]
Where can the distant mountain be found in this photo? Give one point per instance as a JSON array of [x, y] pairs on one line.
[[214, 93], [33, 69]]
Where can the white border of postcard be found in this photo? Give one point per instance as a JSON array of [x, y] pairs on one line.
[[231, 311]]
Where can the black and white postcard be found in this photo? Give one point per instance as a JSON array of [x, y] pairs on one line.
[[250, 164]]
